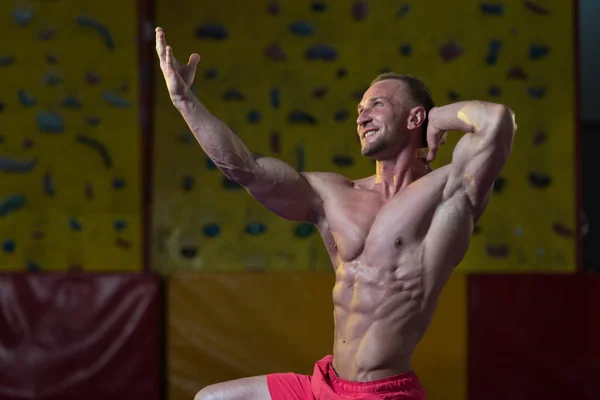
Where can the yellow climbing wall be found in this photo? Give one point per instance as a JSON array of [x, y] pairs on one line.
[[69, 136], [287, 76]]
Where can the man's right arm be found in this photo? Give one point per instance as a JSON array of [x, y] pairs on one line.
[[274, 183]]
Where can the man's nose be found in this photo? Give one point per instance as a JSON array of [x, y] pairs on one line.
[[363, 118]]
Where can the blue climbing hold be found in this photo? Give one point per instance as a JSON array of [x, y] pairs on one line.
[[115, 99], [495, 91], [49, 122], [341, 115], [22, 16], [211, 73], [51, 59], [75, 224], [453, 96], [25, 99], [492, 9], [405, 50], [493, 52], [211, 230], [228, 184], [275, 98], [93, 120], [341, 73], [537, 51], [318, 6], [32, 266], [9, 246], [255, 228], [301, 117], [233, 94], [322, 52], [118, 183], [343, 160], [210, 164], [12, 203], [48, 184], [301, 28], [404, 9], [99, 27], [14, 166], [120, 224], [537, 92], [52, 79], [72, 102], [253, 116], [212, 31], [187, 183], [304, 230], [5, 61]]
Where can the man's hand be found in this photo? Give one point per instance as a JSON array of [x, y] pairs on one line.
[[179, 78], [435, 136]]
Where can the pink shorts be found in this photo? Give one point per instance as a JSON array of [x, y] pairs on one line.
[[325, 384]]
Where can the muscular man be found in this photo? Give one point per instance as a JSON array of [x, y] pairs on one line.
[[394, 237]]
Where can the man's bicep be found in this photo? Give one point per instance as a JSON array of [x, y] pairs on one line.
[[284, 191]]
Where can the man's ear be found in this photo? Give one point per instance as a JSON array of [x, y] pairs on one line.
[[416, 118]]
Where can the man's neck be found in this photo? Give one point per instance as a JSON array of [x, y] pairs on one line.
[[395, 174]]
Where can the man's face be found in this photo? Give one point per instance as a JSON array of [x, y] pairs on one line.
[[381, 123]]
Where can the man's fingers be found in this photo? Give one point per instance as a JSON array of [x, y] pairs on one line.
[[169, 58], [160, 44], [194, 60], [431, 154]]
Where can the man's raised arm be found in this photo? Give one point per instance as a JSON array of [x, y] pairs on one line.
[[274, 183]]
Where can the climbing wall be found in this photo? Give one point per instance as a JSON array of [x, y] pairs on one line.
[[69, 136], [287, 76]]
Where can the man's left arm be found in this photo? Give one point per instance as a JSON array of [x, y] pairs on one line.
[[480, 154]]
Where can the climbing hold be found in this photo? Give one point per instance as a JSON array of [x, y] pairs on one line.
[[48, 184], [562, 230], [51, 59], [492, 8], [318, 6], [537, 51], [52, 79], [88, 191], [46, 34], [123, 243], [98, 27], [341, 115], [32, 266], [93, 120], [115, 100], [517, 73], [499, 184], [274, 142], [26, 100], [494, 48], [404, 9], [211, 230], [188, 251], [360, 10], [343, 160], [300, 159], [341, 73], [358, 94], [451, 50], [253, 116], [27, 144], [12, 203], [539, 180], [92, 78], [211, 73], [275, 98], [98, 146], [187, 183], [495, 91], [5, 61], [228, 184], [405, 50], [539, 138], [233, 94], [497, 251], [120, 225], [301, 117], [75, 224], [453, 96], [72, 102], [275, 53], [49, 122], [2, 106], [321, 52], [319, 92], [536, 8], [301, 28], [476, 229], [304, 230], [255, 228], [537, 92], [118, 184], [38, 235], [9, 246], [22, 16], [274, 8], [212, 31], [14, 166]]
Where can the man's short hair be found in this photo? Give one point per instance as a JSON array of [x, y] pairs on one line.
[[418, 92]]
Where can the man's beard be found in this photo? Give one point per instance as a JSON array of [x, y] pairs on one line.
[[374, 147]]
